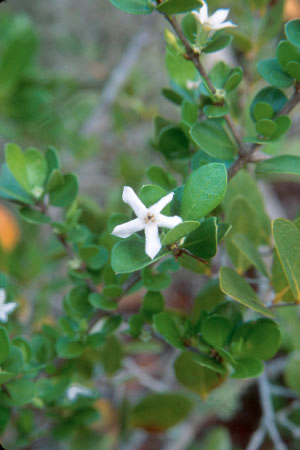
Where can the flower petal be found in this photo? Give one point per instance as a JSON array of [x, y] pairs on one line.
[[224, 25], [8, 308], [218, 17], [168, 222], [128, 228], [203, 13], [153, 244], [197, 16], [130, 197], [159, 206]]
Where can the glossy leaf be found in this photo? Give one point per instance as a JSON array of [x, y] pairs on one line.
[[211, 137], [232, 284], [203, 191], [287, 239]]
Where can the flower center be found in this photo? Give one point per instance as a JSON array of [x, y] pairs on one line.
[[149, 218]]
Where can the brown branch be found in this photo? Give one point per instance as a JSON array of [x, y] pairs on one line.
[[193, 55], [248, 156]]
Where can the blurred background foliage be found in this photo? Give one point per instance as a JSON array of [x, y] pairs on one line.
[[56, 60]]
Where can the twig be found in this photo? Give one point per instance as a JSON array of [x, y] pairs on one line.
[[143, 377], [268, 412], [118, 77], [193, 55], [282, 417], [243, 159], [257, 438]]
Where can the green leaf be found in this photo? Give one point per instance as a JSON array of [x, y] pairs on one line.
[[217, 43], [53, 160], [262, 110], [5, 376], [4, 345], [111, 355], [208, 297], [283, 164], [179, 69], [213, 111], [283, 124], [262, 341], [285, 53], [189, 113], [203, 191], [166, 326], [33, 216], [203, 241], [64, 195], [294, 69], [189, 27], [266, 127], [234, 79], [179, 232], [100, 301], [134, 6], [68, 348], [216, 330], [291, 371], [136, 323], [158, 412], [112, 290], [236, 287], [170, 7], [271, 72], [155, 281], [195, 377], [250, 252], [274, 97], [17, 165], [10, 189], [247, 368], [21, 391], [17, 56], [243, 185], [292, 31], [153, 303], [210, 363], [244, 219], [159, 176], [172, 96], [212, 138], [36, 167], [77, 302], [287, 239], [129, 256], [173, 143]]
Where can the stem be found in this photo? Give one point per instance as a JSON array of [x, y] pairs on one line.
[[191, 54], [268, 412], [243, 159]]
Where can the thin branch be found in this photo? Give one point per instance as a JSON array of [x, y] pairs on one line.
[[143, 377], [257, 438], [244, 159], [118, 77], [194, 56], [268, 412]]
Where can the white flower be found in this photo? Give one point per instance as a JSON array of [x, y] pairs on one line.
[[148, 219], [75, 390], [215, 21], [5, 308]]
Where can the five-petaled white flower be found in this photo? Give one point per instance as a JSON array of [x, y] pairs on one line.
[[148, 219], [75, 390], [215, 21], [5, 308]]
